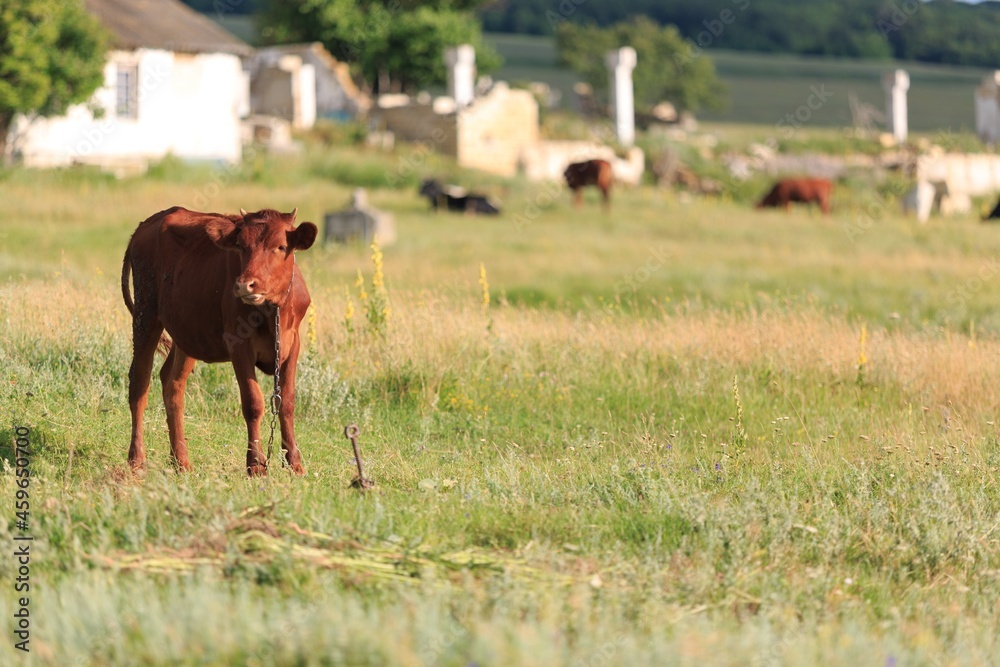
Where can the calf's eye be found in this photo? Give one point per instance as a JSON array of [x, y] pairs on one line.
[[282, 248]]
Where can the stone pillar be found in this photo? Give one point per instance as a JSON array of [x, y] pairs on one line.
[[461, 63], [895, 84], [988, 108], [620, 63]]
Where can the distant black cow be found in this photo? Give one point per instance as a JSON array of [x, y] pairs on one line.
[[994, 214], [456, 199]]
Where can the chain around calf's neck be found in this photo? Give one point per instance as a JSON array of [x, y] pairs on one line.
[[276, 394]]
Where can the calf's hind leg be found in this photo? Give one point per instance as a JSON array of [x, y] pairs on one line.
[[286, 413], [145, 338]]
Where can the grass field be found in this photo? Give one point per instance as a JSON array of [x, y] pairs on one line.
[[683, 433]]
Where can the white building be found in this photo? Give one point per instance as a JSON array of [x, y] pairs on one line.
[[302, 82], [173, 84]]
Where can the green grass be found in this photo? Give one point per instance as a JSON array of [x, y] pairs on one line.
[[565, 478]]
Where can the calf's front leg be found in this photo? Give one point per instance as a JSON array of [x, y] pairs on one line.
[[252, 401]]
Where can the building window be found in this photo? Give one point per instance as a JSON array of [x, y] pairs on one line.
[[127, 100]]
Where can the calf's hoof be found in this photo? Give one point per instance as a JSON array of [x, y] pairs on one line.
[[294, 460], [183, 465], [257, 470]]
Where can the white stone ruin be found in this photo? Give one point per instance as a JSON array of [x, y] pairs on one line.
[[284, 85], [895, 84], [461, 63], [620, 64], [988, 109]]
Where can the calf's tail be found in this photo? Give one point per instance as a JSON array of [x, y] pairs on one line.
[[165, 342], [126, 271]]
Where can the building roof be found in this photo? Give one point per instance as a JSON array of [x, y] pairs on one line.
[[164, 24]]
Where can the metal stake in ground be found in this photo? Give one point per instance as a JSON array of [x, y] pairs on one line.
[[359, 482]]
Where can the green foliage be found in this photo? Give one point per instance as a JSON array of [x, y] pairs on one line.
[[335, 133], [940, 31], [51, 56], [666, 68], [395, 46], [172, 169]]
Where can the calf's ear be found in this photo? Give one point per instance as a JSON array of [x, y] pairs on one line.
[[222, 232], [302, 237]]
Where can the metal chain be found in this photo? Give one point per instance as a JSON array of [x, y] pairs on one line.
[[276, 394]]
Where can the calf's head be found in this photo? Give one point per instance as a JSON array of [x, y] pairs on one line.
[[266, 241]]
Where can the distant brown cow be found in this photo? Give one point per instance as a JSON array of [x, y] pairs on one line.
[[214, 282], [804, 190], [592, 172]]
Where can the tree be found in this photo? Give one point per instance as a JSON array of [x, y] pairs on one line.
[[668, 67], [943, 31], [52, 55], [396, 45]]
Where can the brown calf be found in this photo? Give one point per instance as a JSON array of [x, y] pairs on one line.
[[592, 172], [804, 190], [213, 282]]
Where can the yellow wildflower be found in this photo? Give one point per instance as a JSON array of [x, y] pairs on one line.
[[486, 288], [311, 327], [348, 310], [862, 358], [378, 279], [360, 284]]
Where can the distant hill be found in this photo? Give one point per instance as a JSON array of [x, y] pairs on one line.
[[940, 31], [764, 88]]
